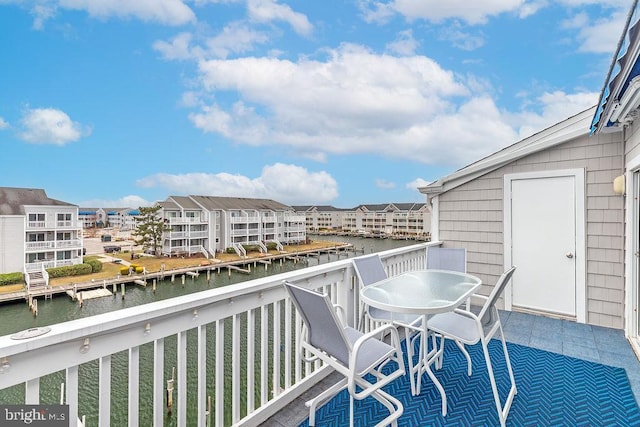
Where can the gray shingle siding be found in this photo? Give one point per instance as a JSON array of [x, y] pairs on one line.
[[471, 216]]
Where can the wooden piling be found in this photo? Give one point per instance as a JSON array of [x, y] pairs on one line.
[[170, 390]]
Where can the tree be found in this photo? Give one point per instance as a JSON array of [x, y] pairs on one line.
[[149, 229]]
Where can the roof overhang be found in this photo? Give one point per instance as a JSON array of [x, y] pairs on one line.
[[620, 96]]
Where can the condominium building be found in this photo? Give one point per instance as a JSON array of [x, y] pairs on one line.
[[37, 232], [377, 219], [321, 218], [120, 218], [209, 224]]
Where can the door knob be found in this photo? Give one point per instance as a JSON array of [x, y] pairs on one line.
[[569, 255]]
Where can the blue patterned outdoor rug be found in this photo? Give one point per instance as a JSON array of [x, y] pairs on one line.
[[553, 390]]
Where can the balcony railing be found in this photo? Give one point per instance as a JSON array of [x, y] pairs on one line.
[[196, 234], [241, 345], [188, 220], [44, 264], [40, 225], [53, 244]]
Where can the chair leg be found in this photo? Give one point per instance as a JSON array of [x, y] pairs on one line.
[[328, 393], [503, 412], [466, 355], [350, 411], [392, 404]]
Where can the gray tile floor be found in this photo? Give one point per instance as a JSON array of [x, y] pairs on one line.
[[594, 343]]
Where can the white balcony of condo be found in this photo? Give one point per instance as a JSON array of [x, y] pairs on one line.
[[53, 224], [198, 234], [177, 234], [188, 220]]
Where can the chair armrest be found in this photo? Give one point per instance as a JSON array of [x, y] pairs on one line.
[[467, 313], [341, 313], [375, 333], [382, 379]]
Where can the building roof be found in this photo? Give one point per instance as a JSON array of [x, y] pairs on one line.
[[318, 208], [381, 207], [560, 133], [168, 204], [185, 202], [87, 211], [13, 200], [230, 203]]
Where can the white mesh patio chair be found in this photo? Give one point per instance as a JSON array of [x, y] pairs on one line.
[[350, 352], [369, 270], [454, 259], [466, 327]]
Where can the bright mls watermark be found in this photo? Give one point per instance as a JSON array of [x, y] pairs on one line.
[[34, 415]]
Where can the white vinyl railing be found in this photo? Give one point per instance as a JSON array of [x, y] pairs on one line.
[[224, 356]]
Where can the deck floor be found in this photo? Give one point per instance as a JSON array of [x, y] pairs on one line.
[[593, 343]]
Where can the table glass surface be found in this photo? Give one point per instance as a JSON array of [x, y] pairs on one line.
[[421, 292]]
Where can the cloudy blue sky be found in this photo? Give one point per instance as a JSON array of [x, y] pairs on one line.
[[107, 103]]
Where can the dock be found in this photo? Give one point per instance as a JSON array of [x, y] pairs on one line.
[[98, 288], [90, 294]]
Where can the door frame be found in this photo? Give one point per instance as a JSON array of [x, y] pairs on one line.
[[580, 247], [632, 236]]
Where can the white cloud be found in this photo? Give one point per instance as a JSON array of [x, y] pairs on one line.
[[41, 13], [555, 107], [476, 12], [355, 101], [461, 39], [179, 48], [417, 183], [289, 184], [168, 12], [235, 38], [50, 126], [404, 44], [384, 184], [600, 36], [130, 201], [271, 10], [3, 124]]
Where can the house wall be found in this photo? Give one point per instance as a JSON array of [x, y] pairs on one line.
[[632, 136], [12, 232], [471, 216]]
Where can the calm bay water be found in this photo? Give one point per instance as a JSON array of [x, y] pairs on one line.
[[16, 317]]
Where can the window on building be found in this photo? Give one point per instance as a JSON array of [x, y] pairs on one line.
[[36, 217]]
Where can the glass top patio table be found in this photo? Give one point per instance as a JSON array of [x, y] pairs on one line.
[[421, 292]]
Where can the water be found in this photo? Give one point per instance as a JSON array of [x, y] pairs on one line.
[[16, 317]]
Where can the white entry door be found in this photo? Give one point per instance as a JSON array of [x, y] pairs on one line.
[[545, 243]]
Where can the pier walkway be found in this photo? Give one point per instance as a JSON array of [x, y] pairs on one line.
[[240, 266]]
